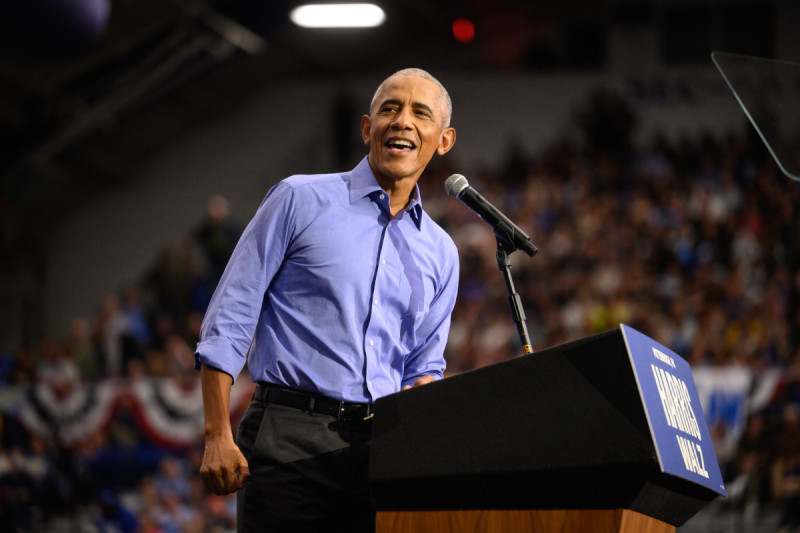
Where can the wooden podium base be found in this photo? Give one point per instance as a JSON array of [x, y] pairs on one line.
[[520, 521]]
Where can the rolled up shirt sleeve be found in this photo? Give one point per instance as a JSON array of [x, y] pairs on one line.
[[428, 357], [230, 320]]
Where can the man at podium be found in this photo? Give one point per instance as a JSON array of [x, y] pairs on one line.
[[339, 292]]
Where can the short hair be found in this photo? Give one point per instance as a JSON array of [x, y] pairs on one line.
[[424, 74]]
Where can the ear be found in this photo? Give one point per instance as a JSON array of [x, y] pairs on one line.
[[366, 125], [447, 140]]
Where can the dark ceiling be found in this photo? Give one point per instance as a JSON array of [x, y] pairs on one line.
[[90, 90]]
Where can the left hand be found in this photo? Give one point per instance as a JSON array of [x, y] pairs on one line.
[[422, 380]]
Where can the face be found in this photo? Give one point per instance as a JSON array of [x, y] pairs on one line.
[[405, 129]]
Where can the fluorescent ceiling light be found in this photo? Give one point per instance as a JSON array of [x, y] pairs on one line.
[[338, 16]]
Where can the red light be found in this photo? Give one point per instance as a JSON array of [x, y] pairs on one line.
[[463, 30]]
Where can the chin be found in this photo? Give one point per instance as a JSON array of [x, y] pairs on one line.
[[395, 171]]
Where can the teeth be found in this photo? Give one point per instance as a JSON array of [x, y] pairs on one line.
[[402, 142]]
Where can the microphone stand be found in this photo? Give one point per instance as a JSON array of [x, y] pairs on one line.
[[518, 314]]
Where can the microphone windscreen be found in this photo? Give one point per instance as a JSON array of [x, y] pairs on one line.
[[455, 184]]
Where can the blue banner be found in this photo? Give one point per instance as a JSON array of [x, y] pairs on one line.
[[672, 405]]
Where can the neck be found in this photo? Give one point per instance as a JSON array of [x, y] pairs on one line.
[[399, 195], [399, 190]]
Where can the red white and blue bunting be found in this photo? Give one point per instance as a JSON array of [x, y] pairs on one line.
[[167, 411]]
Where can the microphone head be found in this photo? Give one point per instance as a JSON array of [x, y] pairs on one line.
[[455, 184]]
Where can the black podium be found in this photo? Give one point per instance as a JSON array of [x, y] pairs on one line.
[[562, 432]]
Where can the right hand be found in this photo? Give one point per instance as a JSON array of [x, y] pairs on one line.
[[224, 469]]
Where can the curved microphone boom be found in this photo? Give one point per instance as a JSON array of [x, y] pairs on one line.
[[505, 230]]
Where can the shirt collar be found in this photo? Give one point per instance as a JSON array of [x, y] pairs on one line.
[[363, 183]]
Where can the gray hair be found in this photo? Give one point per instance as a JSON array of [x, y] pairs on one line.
[[424, 74]]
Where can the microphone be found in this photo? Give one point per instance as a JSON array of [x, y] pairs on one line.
[[505, 230]]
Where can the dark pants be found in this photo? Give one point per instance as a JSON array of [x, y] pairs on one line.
[[308, 472]]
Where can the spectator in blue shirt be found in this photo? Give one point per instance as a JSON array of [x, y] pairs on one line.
[[339, 292]]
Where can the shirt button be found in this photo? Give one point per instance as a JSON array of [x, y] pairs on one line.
[[372, 343], [390, 224], [375, 301], [383, 261], [382, 197]]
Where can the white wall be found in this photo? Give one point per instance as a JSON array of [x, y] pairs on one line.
[[287, 130]]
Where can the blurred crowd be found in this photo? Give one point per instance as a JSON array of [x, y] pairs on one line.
[[121, 476], [691, 242]]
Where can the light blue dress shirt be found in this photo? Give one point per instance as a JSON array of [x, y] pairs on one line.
[[337, 297]]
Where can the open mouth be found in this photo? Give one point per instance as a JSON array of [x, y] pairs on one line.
[[400, 145]]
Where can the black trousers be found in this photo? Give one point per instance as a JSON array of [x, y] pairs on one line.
[[308, 472]]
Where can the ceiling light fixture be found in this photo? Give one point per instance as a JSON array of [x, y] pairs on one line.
[[338, 16]]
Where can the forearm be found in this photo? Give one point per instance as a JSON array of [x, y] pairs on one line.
[[216, 386], [224, 468]]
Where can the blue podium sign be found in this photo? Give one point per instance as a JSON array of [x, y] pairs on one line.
[[674, 414]]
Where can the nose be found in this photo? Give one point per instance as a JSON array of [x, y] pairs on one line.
[[402, 119]]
